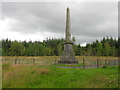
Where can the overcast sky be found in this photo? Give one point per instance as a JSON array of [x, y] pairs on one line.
[[38, 20]]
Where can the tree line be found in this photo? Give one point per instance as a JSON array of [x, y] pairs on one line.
[[54, 47]]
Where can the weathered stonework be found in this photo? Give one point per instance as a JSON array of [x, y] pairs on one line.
[[68, 54]]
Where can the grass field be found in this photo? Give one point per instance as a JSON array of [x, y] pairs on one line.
[[51, 76]]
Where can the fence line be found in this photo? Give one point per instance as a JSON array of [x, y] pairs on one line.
[[84, 62]]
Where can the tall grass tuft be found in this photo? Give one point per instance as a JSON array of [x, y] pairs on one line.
[[43, 71], [6, 66]]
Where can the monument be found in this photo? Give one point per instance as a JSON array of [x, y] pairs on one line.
[[68, 54]]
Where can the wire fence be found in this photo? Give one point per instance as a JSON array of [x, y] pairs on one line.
[[82, 63]]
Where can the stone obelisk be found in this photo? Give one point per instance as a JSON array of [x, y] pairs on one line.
[[68, 54]]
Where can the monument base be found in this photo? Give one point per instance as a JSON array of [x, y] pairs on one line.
[[68, 55], [67, 62]]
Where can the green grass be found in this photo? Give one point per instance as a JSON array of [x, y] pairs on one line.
[[51, 76]]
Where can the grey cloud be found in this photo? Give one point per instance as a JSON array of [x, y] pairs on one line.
[[90, 20]]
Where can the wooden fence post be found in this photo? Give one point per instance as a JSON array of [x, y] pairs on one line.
[[15, 61], [33, 61], [97, 63], [55, 61], [100, 63], [114, 62], [18, 61], [105, 62], [109, 62], [83, 63], [2, 60]]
